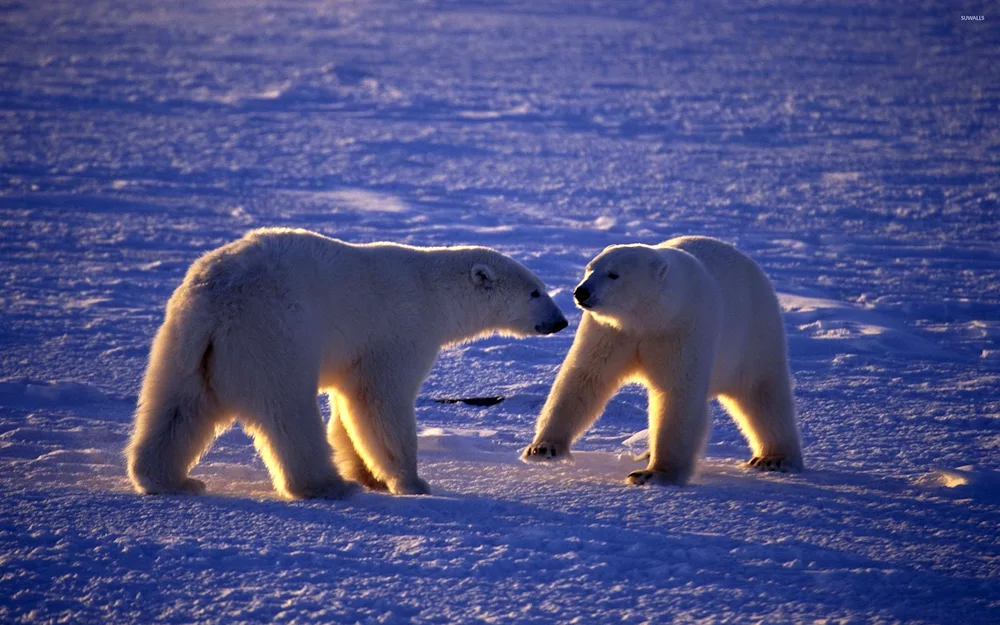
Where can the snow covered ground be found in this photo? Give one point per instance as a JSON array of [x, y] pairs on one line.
[[852, 148]]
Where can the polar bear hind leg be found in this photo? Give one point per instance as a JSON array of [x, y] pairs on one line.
[[765, 413], [176, 420], [170, 437], [350, 463]]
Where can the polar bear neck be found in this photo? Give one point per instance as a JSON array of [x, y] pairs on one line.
[[463, 312], [434, 284]]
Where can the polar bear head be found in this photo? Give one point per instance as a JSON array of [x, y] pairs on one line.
[[514, 298], [632, 287]]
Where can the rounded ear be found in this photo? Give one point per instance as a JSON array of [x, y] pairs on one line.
[[482, 275]]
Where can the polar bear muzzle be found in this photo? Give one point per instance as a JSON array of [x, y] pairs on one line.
[[553, 325]]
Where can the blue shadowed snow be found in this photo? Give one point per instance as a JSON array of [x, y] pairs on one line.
[[852, 148]]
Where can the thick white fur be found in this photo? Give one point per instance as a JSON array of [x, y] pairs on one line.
[[692, 318], [260, 325]]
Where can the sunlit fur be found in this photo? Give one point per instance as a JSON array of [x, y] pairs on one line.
[[259, 326], [691, 319]]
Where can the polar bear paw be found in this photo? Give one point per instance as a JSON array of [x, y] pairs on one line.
[[189, 486], [545, 451], [771, 463], [360, 474], [409, 486], [660, 478], [333, 490]]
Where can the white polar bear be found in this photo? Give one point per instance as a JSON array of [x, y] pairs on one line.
[[260, 325], [692, 318]]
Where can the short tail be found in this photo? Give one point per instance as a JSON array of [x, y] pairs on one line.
[[175, 420]]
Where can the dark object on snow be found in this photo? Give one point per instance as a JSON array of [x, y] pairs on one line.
[[472, 401]]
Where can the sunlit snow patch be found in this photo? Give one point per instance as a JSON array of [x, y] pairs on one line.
[[840, 177], [360, 200], [638, 442], [964, 481], [945, 478], [368, 201], [455, 440], [605, 222], [521, 109]]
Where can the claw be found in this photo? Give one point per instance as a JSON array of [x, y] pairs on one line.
[[638, 478], [765, 463], [543, 452], [662, 478]]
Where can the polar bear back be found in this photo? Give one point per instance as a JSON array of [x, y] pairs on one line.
[[337, 300], [294, 277], [375, 289], [752, 334]]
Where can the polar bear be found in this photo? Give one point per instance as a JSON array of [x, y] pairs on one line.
[[260, 325], [691, 319]]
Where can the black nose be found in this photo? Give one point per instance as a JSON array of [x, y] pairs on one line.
[[581, 294], [552, 327]]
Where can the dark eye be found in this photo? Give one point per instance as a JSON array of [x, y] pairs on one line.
[[535, 294], [613, 275]]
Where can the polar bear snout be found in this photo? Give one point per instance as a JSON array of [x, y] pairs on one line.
[[552, 326], [548, 318], [585, 297]]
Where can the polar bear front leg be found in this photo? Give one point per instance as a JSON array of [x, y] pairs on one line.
[[678, 429], [349, 461], [678, 378], [597, 364], [289, 437], [378, 415]]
